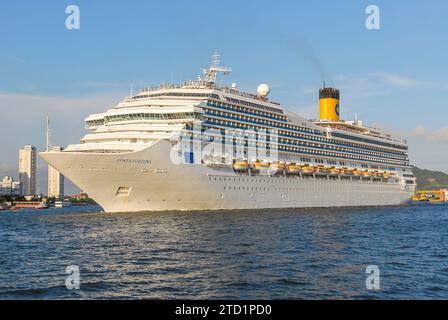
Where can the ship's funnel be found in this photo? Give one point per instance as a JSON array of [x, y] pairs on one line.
[[329, 104]]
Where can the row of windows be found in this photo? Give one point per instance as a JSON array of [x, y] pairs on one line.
[[245, 146], [294, 134], [336, 148], [311, 145], [350, 137], [246, 111], [92, 123], [253, 105], [275, 123], [176, 94], [275, 180], [340, 155], [153, 116], [329, 154]]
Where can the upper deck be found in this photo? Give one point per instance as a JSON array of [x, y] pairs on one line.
[[358, 128]]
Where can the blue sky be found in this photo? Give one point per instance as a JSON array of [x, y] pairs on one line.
[[395, 77]]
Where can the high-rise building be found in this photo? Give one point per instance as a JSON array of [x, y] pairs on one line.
[[9, 187], [27, 170], [55, 180]]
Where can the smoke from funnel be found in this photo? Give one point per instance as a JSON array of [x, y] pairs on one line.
[[306, 52]]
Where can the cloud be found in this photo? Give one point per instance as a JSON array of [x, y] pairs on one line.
[[360, 87], [439, 135], [406, 82], [398, 80], [426, 148], [380, 84]]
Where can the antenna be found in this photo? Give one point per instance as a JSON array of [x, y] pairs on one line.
[[216, 60], [131, 89], [211, 73], [48, 134]]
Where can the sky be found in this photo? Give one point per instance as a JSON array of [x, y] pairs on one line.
[[394, 78]]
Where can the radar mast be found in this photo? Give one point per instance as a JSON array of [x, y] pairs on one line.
[[211, 74]]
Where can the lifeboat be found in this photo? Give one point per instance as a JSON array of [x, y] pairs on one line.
[[334, 171], [346, 172], [293, 168], [366, 174], [387, 175], [277, 167], [356, 172], [322, 170], [377, 174], [261, 165], [241, 165], [306, 169]]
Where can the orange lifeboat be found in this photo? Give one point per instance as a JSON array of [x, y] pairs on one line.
[[293, 168]]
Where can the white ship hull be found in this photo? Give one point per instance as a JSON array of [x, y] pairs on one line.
[[147, 180]]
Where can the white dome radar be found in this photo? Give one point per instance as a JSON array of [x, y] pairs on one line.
[[263, 90]]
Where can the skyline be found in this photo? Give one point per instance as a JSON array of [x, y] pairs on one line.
[[392, 78]]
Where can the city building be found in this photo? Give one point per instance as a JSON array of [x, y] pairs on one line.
[[55, 180], [80, 196], [27, 170], [9, 187]]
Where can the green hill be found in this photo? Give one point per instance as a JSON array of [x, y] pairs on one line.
[[429, 180]]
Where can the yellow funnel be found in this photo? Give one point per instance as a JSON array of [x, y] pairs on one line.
[[329, 104]]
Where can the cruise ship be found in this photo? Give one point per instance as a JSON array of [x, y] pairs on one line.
[[202, 145]]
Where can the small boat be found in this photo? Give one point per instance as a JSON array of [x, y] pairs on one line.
[[387, 175], [306, 169], [4, 206], [322, 170], [293, 168], [277, 167], [366, 174], [334, 171], [356, 172], [241, 165], [62, 204], [346, 172], [31, 205], [261, 166]]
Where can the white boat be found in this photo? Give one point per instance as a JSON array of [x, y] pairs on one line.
[[62, 204], [145, 154]]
